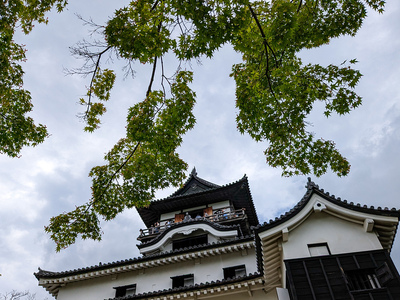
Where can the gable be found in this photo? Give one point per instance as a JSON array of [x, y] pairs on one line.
[[383, 224], [341, 236], [322, 214]]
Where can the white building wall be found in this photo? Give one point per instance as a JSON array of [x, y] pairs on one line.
[[159, 278], [219, 205], [99, 288], [340, 235]]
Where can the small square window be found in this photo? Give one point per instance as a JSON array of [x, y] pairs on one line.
[[183, 280], [125, 290], [188, 281], [234, 272], [130, 291], [319, 249]]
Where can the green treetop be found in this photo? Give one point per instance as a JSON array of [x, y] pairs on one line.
[[275, 91]]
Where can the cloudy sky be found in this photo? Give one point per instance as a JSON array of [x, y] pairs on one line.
[[52, 178]]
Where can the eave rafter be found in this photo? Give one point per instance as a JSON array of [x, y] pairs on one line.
[[272, 262]]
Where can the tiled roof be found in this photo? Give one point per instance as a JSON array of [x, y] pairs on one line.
[[173, 196], [44, 273], [189, 288], [314, 188], [194, 184], [184, 223], [48, 274], [238, 192]]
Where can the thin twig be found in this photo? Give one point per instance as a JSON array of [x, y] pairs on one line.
[[93, 76]]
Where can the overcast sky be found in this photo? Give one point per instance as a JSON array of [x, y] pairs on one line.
[[53, 177]]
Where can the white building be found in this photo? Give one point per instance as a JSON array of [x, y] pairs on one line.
[[205, 241]]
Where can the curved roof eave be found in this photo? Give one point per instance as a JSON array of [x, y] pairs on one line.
[[174, 227]]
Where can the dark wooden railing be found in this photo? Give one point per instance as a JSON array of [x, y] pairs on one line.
[[220, 216]]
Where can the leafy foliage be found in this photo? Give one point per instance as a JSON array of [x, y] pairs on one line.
[[101, 85], [275, 91], [16, 128], [138, 165]]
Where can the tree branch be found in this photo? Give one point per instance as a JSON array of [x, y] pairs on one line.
[[93, 76], [152, 77], [265, 42]]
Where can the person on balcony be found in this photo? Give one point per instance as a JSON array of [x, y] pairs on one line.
[[168, 224], [156, 227], [187, 217]]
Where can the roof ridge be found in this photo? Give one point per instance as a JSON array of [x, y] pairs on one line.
[[193, 175], [313, 187], [214, 188]]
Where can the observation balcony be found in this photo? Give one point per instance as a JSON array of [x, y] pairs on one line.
[[221, 216]]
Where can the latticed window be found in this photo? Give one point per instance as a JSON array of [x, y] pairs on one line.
[[182, 280], [368, 275], [234, 272], [125, 290], [362, 280]]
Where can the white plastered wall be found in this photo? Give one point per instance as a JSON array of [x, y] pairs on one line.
[[159, 278], [341, 236]]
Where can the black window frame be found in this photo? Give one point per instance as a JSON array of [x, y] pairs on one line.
[[230, 272], [362, 279], [319, 245], [327, 277], [179, 281], [120, 291]]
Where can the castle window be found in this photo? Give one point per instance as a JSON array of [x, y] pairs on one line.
[[365, 279], [182, 280], [343, 276], [234, 272], [384, 274], [190, 242], [125, 290], [362, 280], [319, 249]]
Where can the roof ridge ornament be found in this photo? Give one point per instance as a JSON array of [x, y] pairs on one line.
[[311, 184], [194, 172]]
